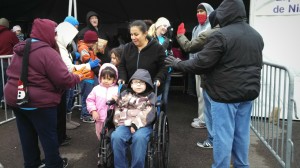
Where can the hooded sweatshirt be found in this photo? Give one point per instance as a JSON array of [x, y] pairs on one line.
[[48, 76], [65, 35], [151, 58], [89, 26], [138, 109], [96, 100], [105, 58], [201, 28], [232, 57], [8, 39]]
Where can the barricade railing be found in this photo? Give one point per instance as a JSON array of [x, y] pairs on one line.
[[6, 113], [77, 97], [272, 114]]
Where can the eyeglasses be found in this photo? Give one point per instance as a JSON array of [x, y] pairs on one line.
[[138, 82]]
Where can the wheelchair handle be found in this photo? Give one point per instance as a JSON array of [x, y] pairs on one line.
[[111, 102]]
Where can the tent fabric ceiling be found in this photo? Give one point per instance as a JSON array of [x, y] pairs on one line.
[[110, 11], [114, 14]]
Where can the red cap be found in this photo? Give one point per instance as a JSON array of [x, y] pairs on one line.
[[90, 37]]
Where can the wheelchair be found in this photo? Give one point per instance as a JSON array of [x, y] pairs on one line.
[[157, 155]]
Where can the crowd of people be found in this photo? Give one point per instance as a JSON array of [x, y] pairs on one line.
[[49, 63]]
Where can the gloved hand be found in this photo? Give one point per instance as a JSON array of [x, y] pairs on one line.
[[172, 62], [181, 29], [77, 55], [94, 63], [83, 73]]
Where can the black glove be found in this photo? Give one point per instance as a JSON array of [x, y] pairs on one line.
[[172, 61]]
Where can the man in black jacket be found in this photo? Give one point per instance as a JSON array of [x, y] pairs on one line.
[[231, 61]]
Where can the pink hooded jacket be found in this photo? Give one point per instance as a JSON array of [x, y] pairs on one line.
[[96, 100]]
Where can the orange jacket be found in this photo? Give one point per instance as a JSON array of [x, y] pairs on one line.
[[86, 54]]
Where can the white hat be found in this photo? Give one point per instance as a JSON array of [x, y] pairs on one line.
[[162, 21], [16, 28]]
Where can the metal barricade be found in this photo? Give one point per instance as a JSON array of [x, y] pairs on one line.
[[77, 98], [6, 114], [272, 114]]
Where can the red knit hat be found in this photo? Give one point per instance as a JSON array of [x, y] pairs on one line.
[[90, 37]]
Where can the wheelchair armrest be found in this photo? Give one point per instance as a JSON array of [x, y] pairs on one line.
[[111, 102]]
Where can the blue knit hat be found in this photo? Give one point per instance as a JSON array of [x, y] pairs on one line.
[[72, 20]]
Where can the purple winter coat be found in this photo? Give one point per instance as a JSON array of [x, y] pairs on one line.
[[48, 76]]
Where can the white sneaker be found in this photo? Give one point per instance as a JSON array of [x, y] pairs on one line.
[[196, 119], [198, 124]]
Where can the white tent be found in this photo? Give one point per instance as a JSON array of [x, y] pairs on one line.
[[278, 21]]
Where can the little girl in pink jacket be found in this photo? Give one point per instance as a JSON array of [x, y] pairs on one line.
[[96, 100]]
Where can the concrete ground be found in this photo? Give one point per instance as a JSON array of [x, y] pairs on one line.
[[82, 152]]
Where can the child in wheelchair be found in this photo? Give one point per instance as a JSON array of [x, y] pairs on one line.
[[106, 90], [134, 114]]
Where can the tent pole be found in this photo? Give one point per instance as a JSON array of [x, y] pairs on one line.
[[75, 9], [70, 8]]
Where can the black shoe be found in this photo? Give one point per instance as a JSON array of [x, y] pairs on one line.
[[65, 162], [65, 143], [42, 165], [68, 138]]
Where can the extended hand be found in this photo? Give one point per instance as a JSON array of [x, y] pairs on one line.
[[172, 61], [94, 63], [181, 29], [83, 73]]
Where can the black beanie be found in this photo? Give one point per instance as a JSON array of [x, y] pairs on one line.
[[201, 6], [213, 19]]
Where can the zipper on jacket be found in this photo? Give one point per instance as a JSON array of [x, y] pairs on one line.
[[138, 60]]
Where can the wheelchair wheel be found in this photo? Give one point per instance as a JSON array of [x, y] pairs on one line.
[[106, 159], [149, 162], [163, 141]]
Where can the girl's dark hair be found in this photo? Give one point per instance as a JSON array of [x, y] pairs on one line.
[[108, 71], [117, 51], [140, 24]]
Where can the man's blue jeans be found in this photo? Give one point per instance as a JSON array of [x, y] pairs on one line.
[[208, 116], [231, 133], [120, 139]]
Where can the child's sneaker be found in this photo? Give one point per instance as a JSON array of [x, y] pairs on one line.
[[205, 144], [88, 119]]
